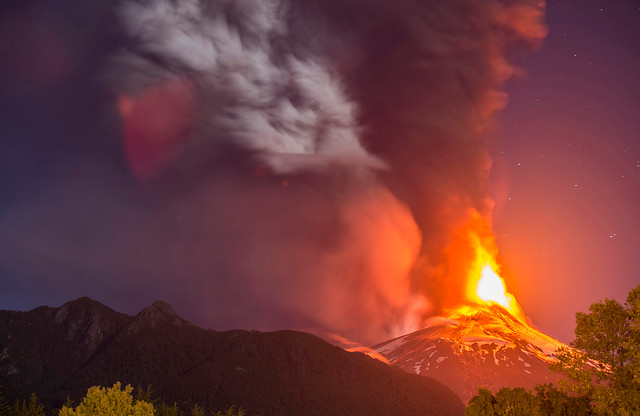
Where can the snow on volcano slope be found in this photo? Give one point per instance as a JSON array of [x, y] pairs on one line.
[[475, 346]]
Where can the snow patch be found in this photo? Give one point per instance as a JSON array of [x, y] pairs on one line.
[[416, 368], [392, 345], [485, 340]]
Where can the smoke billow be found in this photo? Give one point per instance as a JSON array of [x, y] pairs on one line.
[[253, 90], [306, 163]]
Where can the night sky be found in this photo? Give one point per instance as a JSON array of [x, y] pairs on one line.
[[81, 214], [567, 173]]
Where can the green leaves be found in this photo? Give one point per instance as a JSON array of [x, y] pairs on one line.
[[606, 370], [547, 400], [162, 409], [600, 332], [31, 408], [516, 401], [481, 404], [230, 412], [573, 363], [555, 402], [4, 407]]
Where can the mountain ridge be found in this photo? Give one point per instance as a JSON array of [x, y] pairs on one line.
[[59, 351]]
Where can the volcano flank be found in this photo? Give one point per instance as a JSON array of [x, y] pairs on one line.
[[475, 345]]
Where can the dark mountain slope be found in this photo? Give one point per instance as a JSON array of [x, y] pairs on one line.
[[57, 351], [40, 348]]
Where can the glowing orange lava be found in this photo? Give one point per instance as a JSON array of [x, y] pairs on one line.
[[484, 283], [491, 288]]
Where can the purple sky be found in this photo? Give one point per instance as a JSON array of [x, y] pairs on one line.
[[567, 172]]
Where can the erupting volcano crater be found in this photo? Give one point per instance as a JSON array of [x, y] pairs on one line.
[[485, 341]]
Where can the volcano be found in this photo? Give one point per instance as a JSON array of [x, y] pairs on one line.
[[476, 345]]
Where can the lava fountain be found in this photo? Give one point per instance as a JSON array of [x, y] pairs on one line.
[[484, 284]]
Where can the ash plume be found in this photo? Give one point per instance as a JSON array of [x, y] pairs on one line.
[[298, 164]]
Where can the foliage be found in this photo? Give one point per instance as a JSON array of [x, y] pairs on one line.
[[4, 406], [481, 404], [606, 367], [32, 408], [506, 402], [555, 402], [197, 411], [516, 401], [230, 412], [162, 409], [545, 401], [112, 401], [146, 395]]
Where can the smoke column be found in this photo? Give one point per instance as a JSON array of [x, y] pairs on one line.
[[382, 108], [300, 164]]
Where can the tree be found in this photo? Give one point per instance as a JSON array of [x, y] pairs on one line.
[[230, 412], [197, 411], [162, 409], [516, 401], [112, 401], [146, 395], [507, 402], [555, 402], [481, 404], [604, 367], [4, 406], [547, 400], [32, 408]]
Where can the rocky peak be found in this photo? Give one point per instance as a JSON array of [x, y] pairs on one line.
[[158, 314], [77, 309], [87, 321]]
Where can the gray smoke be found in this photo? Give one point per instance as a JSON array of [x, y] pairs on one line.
[[253, 90]]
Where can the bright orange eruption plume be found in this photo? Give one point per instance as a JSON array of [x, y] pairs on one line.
[[484, 283], [486, 286], [491, 287]]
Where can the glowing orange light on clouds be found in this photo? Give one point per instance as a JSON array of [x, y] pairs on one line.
[[156, 125]]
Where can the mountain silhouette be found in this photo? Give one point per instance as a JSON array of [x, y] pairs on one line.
[[60, 352]]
